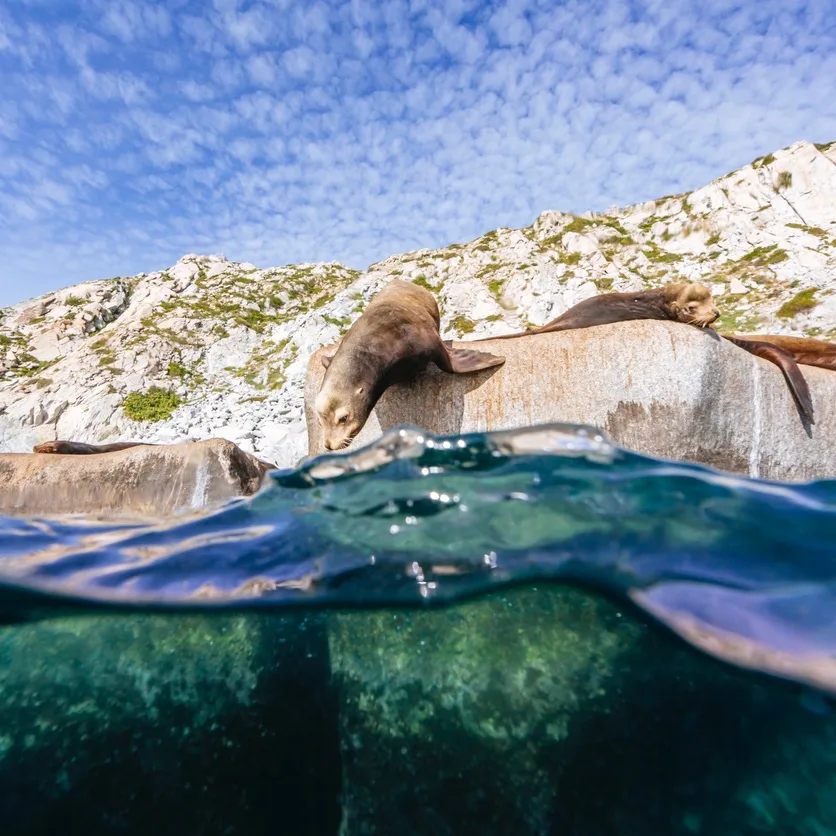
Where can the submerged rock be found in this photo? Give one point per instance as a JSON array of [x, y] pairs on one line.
[[141, 480], [167, 725], [552, 711], [662, 389]]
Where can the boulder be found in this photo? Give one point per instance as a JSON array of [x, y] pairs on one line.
[[167, 724], [658, 388], [550, 710], [142, 480]]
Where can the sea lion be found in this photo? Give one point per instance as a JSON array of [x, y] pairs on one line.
[[392, 341], [785, 361], [804, 350], [79, 448], [692, 304]]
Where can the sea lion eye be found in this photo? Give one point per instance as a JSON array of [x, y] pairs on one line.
[[342, 419]]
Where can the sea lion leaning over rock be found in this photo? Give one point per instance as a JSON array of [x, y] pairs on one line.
[[392, 341], [688, 303]]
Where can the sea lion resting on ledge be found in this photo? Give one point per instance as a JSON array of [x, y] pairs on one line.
[[394, 339], [79, 448], [691, 304], [688, 303]]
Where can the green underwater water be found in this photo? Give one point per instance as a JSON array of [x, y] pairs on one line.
[[541, 709]]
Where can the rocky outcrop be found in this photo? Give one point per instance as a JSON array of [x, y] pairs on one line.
[[663, 389], [229, 342], [138, 481]]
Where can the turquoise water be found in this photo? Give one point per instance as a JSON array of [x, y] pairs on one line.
[[529, 632]]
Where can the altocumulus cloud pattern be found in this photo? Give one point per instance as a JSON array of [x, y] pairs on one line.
[[134, 132]]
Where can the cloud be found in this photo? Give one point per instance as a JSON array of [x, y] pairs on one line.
[[134, 131]]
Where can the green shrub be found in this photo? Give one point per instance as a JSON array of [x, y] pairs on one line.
[[154, 405]]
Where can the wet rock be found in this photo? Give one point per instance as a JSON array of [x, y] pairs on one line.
[[167, 725], [553, 711]]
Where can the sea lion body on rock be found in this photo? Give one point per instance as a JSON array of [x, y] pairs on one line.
[[768, 349], [692, 304], [394, 339], [804, 350], [79, 448]]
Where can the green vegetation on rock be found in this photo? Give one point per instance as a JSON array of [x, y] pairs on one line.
[[156, 404], [800, 303], [784, 180], [462, 324]]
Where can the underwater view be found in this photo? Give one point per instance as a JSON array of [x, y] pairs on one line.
[[529, 632]]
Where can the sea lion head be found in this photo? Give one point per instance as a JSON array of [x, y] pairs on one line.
[[693, 304], [342, 411]]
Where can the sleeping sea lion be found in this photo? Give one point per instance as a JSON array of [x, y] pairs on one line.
[[688, 303], [79, 448], [391, 342]]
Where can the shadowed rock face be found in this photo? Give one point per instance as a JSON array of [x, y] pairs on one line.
[[137, 481], [662, 389]]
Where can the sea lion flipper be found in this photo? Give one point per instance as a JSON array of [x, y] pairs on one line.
[[466, 360], [786, 363]]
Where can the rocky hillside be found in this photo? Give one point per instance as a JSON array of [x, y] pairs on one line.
[[215, 348]]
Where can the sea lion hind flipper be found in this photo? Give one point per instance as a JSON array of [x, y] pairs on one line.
[[466, 360], [786, 363]]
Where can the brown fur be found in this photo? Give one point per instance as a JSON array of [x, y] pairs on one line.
[[804, 350], [78, 448], [786, 362], [688, 303], [394, 339]]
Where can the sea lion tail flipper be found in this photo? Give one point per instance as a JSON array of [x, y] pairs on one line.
[[466, 360], [786, 363]]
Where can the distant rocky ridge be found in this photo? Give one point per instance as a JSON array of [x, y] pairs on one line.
[[211, 348]]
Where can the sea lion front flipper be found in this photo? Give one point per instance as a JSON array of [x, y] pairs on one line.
[[328, 352], [465, 360], [786, 363]]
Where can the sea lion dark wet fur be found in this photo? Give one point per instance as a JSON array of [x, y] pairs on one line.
[[394, 339], [688, 303]]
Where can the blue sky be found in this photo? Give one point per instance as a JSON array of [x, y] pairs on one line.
[[132, 133]]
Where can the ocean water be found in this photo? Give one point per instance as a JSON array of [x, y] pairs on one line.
[[531, 632]]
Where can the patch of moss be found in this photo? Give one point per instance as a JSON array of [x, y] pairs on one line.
[[764, 256], [75, 301], [760, 162], [714, 239], [462, 324], [422, 281], [784, 180], [579, 224], [810, 230], [824, 146], [800, 303], [603, 283], [156, 404], [653, 253], [494, 317]]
